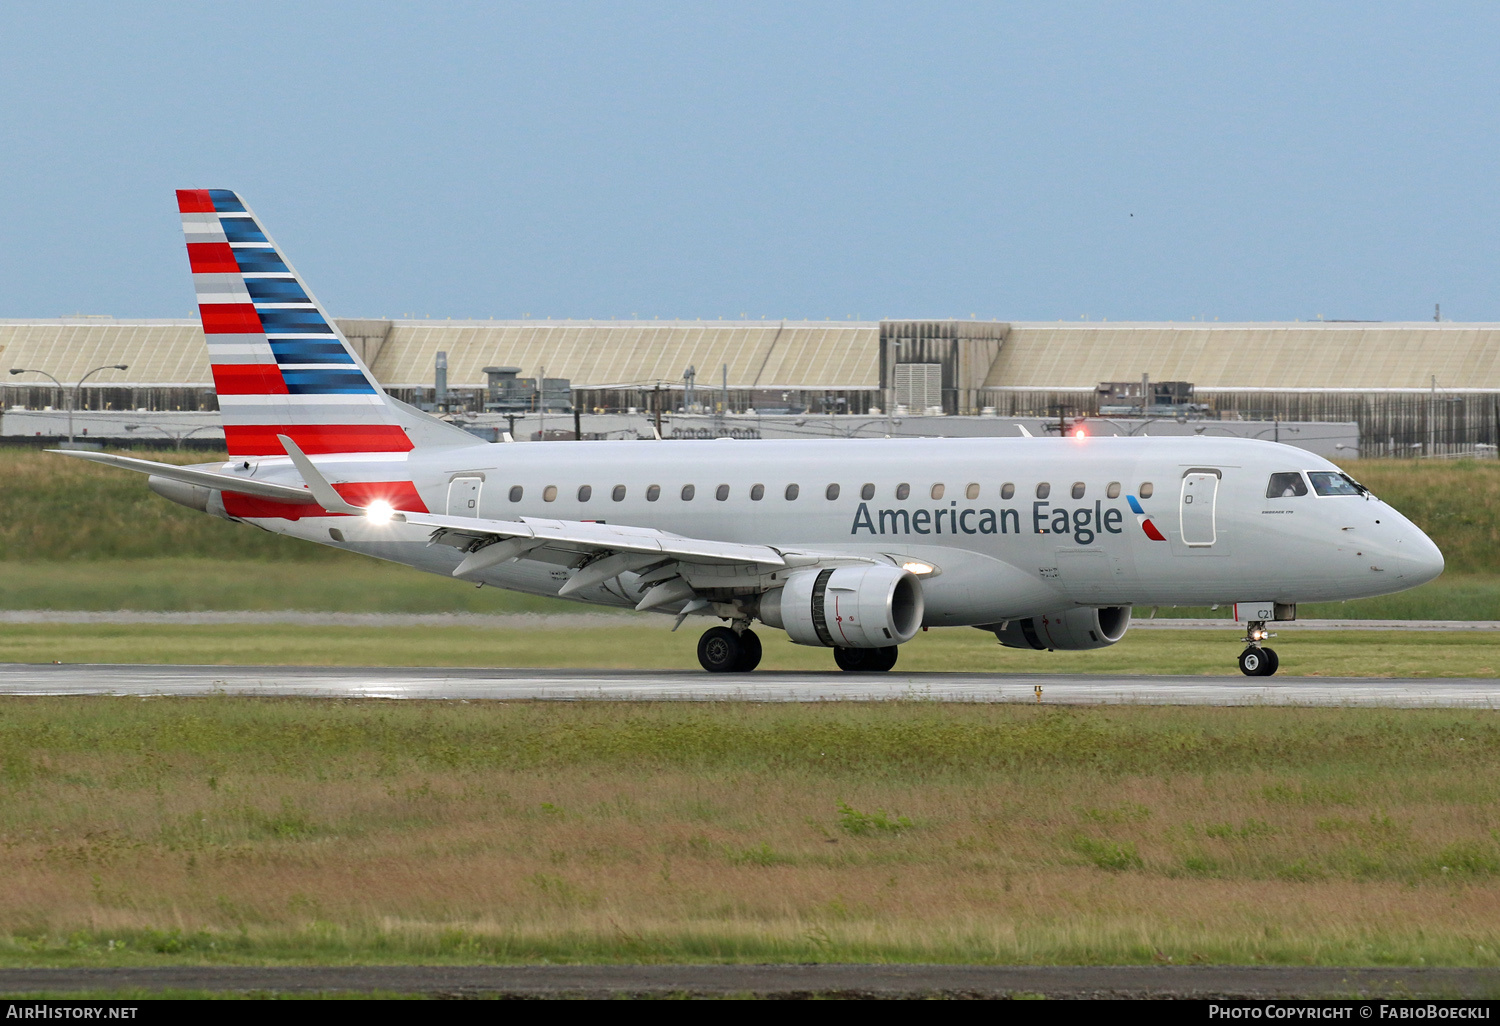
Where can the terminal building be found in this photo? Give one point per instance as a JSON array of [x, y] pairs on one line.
[[1411, 388]]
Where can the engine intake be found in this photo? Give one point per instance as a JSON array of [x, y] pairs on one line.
[[1074, 630], [847, 607]]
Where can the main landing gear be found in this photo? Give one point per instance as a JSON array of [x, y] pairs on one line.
[[725, 650], [1257, 660], [865, 660]]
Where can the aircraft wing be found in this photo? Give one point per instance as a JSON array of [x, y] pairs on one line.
[[196, 476], [672, 569], [471, 534]]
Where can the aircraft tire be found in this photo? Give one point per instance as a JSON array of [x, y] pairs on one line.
[[1257, 662], [1272, 662], [865, 660], [852, 660], [750, 651], [720, 650]]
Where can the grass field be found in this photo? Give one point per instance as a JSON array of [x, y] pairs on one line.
[[648, 645], [75, 535], [347, 584], [356, 584], [53, 509], [242, 830]]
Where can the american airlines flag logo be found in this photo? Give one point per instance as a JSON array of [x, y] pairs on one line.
[[1152, 531]]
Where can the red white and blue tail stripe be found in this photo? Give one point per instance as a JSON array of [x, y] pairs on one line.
[[280, 364]]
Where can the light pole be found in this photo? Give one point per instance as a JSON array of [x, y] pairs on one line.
[[176, 437], [73, 395]]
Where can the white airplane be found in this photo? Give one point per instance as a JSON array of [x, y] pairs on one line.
[[852, 545]]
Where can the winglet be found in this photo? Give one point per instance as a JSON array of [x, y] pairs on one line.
[[327, 496]]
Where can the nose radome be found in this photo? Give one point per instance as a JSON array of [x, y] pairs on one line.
[[1421, 559]]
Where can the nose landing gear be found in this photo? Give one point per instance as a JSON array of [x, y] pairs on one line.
[[1257, 660], [724, 650]]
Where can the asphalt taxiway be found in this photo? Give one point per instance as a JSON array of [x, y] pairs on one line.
[[470, 684]]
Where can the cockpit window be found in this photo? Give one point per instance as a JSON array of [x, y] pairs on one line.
[[1284, 486], [1327, 482]]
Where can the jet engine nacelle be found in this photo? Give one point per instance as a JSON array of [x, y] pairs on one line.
[[847, 607], [1073, 630]]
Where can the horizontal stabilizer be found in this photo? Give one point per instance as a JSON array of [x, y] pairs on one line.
[[197, 476]]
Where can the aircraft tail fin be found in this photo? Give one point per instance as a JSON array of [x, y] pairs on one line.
[[281, 365]]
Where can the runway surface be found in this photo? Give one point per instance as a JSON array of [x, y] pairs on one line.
[[588, 620], [470, 684], [856, 981]]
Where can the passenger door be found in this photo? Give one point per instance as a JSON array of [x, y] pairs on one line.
[[1200, 492], [463, 496]]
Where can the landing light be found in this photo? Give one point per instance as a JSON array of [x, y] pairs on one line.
[[379, 512], [1080, 434], [913, 566]]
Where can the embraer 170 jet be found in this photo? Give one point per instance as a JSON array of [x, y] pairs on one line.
[[852, 545]]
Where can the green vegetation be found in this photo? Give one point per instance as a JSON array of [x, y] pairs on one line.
[[58, 509], [76, 535], [244, 830], [1457, 504], [1450, 597], [346, 584], [53, 508], [645, 643]]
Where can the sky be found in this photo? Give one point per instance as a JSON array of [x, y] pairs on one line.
[[800, 160]]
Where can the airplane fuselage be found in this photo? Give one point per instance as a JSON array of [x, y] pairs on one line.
[[1012, 527], [852, 545]]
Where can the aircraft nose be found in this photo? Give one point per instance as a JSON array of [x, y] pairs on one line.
[[1421, 559]]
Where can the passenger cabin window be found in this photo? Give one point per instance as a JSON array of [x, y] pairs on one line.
[[1043, 490], [1113, 491], [585, 493], [1078, 489], [1007, 491], [618, 494], [1146, 489], [757, 492], [1284, 486], [937, 491], [867, 492], [516, 491], [791, 492], [721, 493], [831, 492], [971, 492], [903, 491], [549, 494], [653, 493], [1326, 482], [688, 491]]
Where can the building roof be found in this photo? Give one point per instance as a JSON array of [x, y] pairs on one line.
[[759, 354], [806, 354], [158, 352], [1363, 355]]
